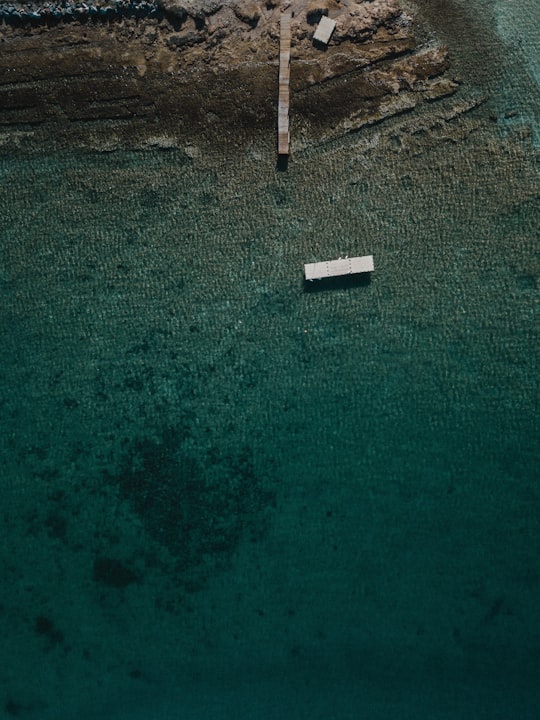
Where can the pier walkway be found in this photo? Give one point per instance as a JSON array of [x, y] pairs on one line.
[[284, 75]]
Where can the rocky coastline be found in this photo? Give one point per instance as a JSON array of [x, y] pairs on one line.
[[21, 12], [138, 73]]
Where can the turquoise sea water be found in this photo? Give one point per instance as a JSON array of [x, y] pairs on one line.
[[228, 495]]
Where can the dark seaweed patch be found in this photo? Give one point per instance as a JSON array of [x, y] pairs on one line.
[[13, 708], [280, 195], [18, 709], [56, 526], [45, 627], [527, 281], [113, 573], [198, 507]]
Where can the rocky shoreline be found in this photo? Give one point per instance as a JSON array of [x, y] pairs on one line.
[[17, 13], [130, 73]]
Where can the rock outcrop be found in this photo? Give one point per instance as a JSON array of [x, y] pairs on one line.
[[122, 72]]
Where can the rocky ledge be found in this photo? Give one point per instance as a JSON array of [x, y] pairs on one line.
[[171, 72]]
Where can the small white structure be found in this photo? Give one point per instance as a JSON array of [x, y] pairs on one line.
[[342, 266], [324, 30]]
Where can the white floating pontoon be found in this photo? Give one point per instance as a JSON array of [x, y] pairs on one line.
[[342, 266]]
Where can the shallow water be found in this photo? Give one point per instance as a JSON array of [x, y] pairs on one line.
[[227, 494]]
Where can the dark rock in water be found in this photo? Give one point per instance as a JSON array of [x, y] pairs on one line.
[[56, 526], [113, 573], [44, 626]]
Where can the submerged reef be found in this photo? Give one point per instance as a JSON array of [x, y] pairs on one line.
[[168, 72]]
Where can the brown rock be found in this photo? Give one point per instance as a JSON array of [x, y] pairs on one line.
[[422, 65], [183, 39], [362, 21], [192, 8], [248, 11], [175, 8]]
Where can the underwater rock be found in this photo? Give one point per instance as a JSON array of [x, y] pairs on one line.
[[45, 627]]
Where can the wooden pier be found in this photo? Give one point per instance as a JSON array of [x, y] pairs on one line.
[[284, 75], [342, 266]]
